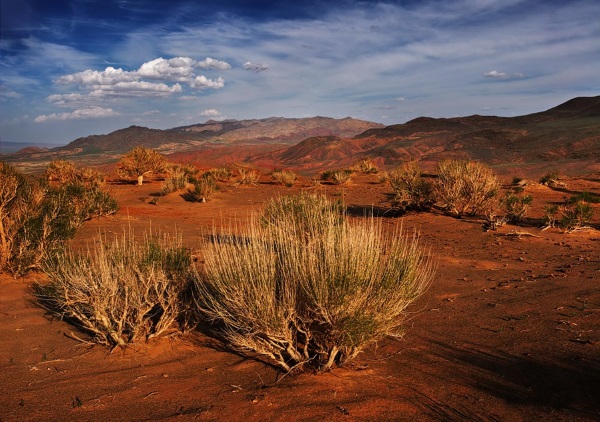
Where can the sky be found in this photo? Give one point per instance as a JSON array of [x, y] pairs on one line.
[[75, 68]]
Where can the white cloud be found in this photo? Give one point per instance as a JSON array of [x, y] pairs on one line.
[[211, 112], [180, 69], [256, 67], [150, 112], [8, 94], [86, 113], [503, 75], [108, 76], [64, 99], [201, 82], [136, 89], [209, 63]]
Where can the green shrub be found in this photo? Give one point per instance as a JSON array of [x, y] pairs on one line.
[[202, 191], [310, 299], [284, 177], [550, 216], [465, 187], [550, 179], [589, 197], [120, 291], [576, 215], [516, 207], [411, 191]]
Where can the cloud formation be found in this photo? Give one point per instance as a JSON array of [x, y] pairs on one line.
[[503, 75], [211, 112], [86, 113], [256, 67]]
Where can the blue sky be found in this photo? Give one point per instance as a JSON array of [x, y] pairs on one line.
[[81, 67]]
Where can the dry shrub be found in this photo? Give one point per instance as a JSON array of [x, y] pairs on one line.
[[120, 291], [36, 218], [65, 172], [367, 166], [247, 175], [411, 191], [218, 174], [284, 177], [310, 300], [465, 187], [178, 177], [338, 177]]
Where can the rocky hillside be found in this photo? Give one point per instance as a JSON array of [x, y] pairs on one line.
[[568, 133]]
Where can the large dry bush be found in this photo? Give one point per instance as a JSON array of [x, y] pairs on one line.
[[411, 190], [465, 187], [37, 218], [120, 291], [140, 162], [307, 299], [65, 172]]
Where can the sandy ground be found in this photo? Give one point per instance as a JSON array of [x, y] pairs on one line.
[[508, 331]]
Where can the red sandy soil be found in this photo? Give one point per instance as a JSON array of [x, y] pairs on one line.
[[508, 331]]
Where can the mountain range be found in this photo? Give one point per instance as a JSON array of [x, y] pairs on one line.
[[566, 136]]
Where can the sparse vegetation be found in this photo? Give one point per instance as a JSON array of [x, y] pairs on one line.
[[576, 215], [178, 177], [120, 291], [203, 189], [338, 177], [516, 207], [284, 177], [310, 300], [65, 172], [367, 166], [36, 218], [550, 216], [140, 162], [219, 174], [247, 175], [465, 187], [411, 190], [551, 179]]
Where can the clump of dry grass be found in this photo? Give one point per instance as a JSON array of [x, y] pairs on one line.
[[120, 291], [465, 187], [284, 177], [310, 298]]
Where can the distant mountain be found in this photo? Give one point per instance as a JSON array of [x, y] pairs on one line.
[[563, 136], [570, 131], [276, 130]]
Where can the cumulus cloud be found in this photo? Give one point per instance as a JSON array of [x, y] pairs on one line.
[[89, 77], [256, 67], [201, 82], [209, 63], [85, 113], [503, 75], [180, 69], [211, 112]]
